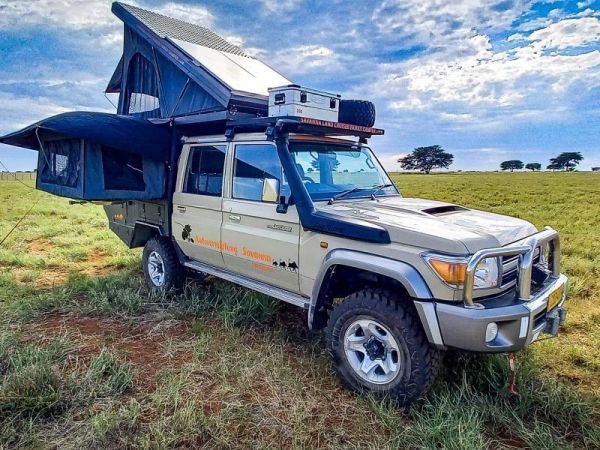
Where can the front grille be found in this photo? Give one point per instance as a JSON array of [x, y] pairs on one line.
[[510, 267]]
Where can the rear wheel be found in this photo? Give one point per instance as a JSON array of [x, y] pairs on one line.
[[378, 346], [162, 270]]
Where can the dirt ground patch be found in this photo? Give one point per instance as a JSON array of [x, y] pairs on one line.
[[39, 246], [142, 345], [96, 257], [50, 279], [44, 280], [93, 266]]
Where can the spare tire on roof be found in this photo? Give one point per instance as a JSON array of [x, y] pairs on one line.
[[357, 112]]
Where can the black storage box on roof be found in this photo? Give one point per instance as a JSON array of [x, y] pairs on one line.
[[168, 69]]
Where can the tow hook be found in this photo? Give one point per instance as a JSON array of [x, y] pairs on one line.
[[513, 373]]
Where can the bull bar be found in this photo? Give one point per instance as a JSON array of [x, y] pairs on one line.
[[525, 250]]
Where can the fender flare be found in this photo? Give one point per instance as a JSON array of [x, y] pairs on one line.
[[143, 231], [400, 271]]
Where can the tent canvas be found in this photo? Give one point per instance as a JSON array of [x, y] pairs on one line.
[[169, 70], [183, 69], [98, 156]]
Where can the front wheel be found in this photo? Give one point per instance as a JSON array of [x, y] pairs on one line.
[[162, 270], [378, 346]]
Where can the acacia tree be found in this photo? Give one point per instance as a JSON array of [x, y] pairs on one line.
[[554, 165], [533, 166], [512, 165], [568, 160], [426, 159]]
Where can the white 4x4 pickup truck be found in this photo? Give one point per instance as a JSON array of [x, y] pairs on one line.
[[315, 221]]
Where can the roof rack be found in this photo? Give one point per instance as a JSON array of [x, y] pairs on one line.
[[245, 123]]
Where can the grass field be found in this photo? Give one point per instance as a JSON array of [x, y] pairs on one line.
[[90, 359]]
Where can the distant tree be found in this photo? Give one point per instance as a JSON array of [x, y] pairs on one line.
[[554, 165], [533, 166], [426, 159], [512, 165], [567, 160], [334, 163], [595, 169]]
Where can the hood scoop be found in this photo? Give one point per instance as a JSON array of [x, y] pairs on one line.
[[443, 210]]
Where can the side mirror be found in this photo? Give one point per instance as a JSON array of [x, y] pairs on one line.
[[270, 191]]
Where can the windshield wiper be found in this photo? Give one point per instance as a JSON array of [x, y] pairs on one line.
[[379, 188], [344, 193], [356, 189]]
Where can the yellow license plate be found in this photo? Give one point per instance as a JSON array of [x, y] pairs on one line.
[[555, 297]]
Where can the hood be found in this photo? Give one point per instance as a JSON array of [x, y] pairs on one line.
[[439, 226]]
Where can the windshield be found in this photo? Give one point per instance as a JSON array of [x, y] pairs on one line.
[[329, 170]]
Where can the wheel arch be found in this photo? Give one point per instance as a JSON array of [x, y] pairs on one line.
[[361, 265], [143, 232]]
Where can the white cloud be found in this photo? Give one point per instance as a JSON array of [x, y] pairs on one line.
[[280, 6], [483, 88], [435, 22], [584, 4], [22, 111], [86, 14], [534, 24], [304, 59], [198, 15], [75, 14], [568, 33], [515, 37], [390, 160]]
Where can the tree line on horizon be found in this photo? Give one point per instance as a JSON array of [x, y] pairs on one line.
[[565, 161], [425, 159]]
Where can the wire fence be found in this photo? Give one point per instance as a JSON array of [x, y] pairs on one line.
[[21, 176]]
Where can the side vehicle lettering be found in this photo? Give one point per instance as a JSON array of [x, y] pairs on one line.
[[278, 227], [200, 240]]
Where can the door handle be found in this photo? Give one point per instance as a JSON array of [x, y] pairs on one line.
[[181, 209], [234, 218]]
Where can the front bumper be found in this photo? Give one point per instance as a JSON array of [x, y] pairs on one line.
[[519, 323]]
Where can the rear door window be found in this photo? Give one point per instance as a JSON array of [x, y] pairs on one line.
[[204, 174]]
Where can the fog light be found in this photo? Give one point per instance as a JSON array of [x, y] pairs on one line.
[[491, 332]]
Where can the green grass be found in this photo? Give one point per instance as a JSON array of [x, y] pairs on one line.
[[90, 358], [570, 203]]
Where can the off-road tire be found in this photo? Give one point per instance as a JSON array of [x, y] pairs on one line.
[[421, 360], [357, 112], [174, 273]]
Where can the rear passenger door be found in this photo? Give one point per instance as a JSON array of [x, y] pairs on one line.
[[197, 203], [263, 244]]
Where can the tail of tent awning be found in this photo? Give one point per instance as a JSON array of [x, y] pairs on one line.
[[98, 156]]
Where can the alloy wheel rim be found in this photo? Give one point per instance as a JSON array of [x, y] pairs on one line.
[[156, 269], [372, 351]]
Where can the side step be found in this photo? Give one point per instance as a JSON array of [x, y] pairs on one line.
[[259, 286]]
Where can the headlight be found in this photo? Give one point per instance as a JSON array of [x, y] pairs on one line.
[[486, 274], [454, 270]]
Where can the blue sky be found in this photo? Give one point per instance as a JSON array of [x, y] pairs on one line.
[[488, 80]]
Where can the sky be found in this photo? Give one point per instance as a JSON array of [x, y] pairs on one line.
[[488, 80]]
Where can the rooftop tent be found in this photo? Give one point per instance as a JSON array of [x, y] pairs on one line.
[[172, 68], [98, 156]]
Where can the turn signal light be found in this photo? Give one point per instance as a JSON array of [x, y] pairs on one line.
[[452, 272]]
